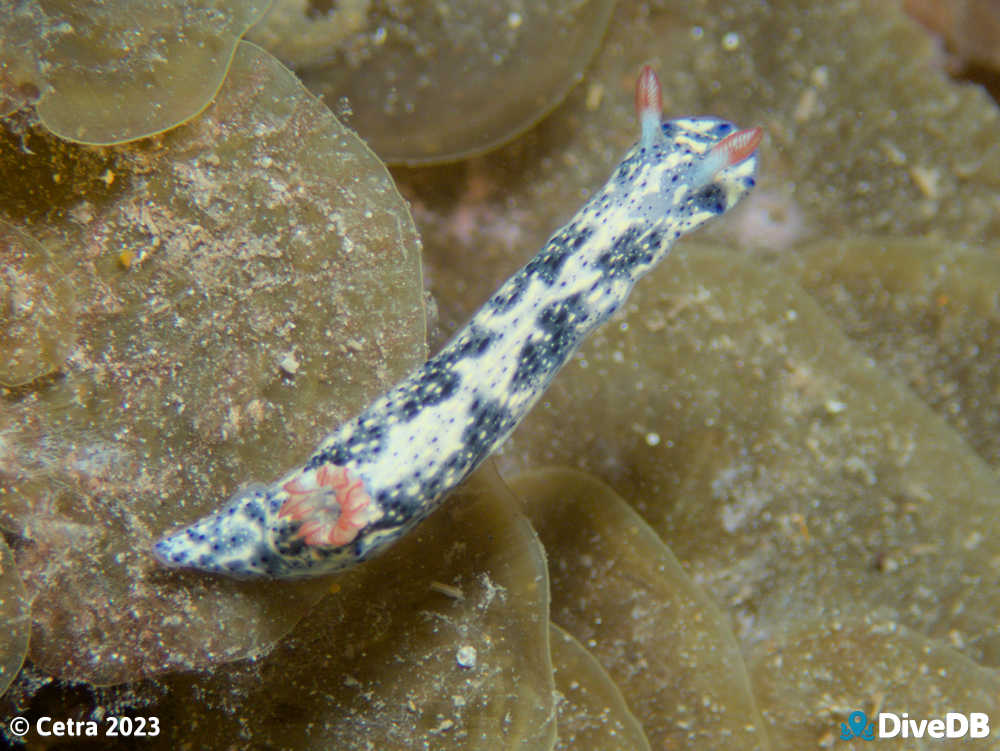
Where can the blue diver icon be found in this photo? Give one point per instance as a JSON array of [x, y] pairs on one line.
[[859, 727]]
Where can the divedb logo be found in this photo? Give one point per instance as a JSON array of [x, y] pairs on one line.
[[891, 725]]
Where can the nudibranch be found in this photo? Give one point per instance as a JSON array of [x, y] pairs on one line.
[[380, 474]]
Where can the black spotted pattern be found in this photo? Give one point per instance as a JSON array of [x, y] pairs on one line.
[[335, 454], [560, 326], [711, 199], [634, 248], [435, 383], [509, 294], [367, 440], [489, 420], [547, 265], [474, 341]]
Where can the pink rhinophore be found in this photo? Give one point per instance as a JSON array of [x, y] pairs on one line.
[[738, 146]]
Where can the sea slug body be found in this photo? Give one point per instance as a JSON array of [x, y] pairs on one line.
[[380, 474]]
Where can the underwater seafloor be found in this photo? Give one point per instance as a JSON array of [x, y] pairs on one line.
[[764, 496]]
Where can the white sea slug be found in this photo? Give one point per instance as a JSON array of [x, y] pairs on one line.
[[380, 474]]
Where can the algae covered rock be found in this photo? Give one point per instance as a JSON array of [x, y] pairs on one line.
[[237, 297], [107, 72]]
